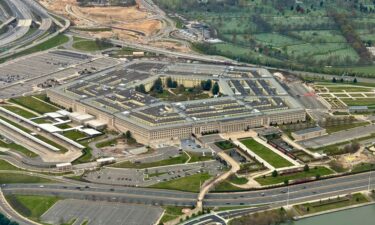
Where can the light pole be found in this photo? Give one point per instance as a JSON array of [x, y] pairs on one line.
[[369, 181], [287, 199]]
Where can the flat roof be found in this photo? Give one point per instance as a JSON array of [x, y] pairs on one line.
[[309, 130]]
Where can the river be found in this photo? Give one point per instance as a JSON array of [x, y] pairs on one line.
[[357, 216]]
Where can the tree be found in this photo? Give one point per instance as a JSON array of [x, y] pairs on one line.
[[355, 80], [334, 80], [158, 86], [141, 88], [169, 82], [215, 89], [306, 168], [275, 173], [206, 85]]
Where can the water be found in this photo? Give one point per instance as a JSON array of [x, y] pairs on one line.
[[358, 216]]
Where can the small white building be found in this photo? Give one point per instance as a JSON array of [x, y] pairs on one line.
[[64, 166], [105, 161], [96, 124], [80, 117]]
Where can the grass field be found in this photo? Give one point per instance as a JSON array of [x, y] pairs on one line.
[[18, 148], [34, 104], [20, 111], [171, 212], [4, 165], [265, 153], [190, 183], [279, 34], [11, 178], [51, 43], [74, 135], [270, 180], [340, 127], [89, 45], [31, 206], [224, 145], [333, 203]]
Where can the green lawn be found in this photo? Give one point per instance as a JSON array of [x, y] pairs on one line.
[[106, 143], [171, 212], [31, 206], [4, 165], [34, 104], [370, 102], [340, 127], [190, 183], [333, 203], [171, 161], [224, 145], [226, 186], [237, 180], [89, 45], [265, 153], [19, 111], [18, 148], [51, 43], [74, 135], [198, 157], [270, 180], [11, 178], [363, 167]]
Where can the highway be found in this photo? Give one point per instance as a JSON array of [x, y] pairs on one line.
[[281, 195]]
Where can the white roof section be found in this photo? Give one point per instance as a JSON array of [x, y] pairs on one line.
[[96, 123], [53, 115], [63, 112], [108, 159], [49, 128], [81, 116], [90, 132], [63, 165]]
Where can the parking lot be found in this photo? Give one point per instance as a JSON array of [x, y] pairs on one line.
[[98, 213], [338, 137], [29, 73], [150, 176]]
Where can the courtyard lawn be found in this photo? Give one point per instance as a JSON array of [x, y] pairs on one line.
[[74, 135], [224, 145], [270, 180], [198, 157], [265, 153], [34, 104], [190, 183], [31, 206]]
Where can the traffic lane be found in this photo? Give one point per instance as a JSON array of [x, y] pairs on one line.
[[294, 197], [293, 188], [102, 196], [209, 219], [235, 213], [120, 190]]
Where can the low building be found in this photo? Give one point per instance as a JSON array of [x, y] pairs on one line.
[[358, 109], [64, 166], [309, 133]]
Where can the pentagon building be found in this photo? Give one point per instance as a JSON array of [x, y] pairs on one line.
[[249, 97]]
